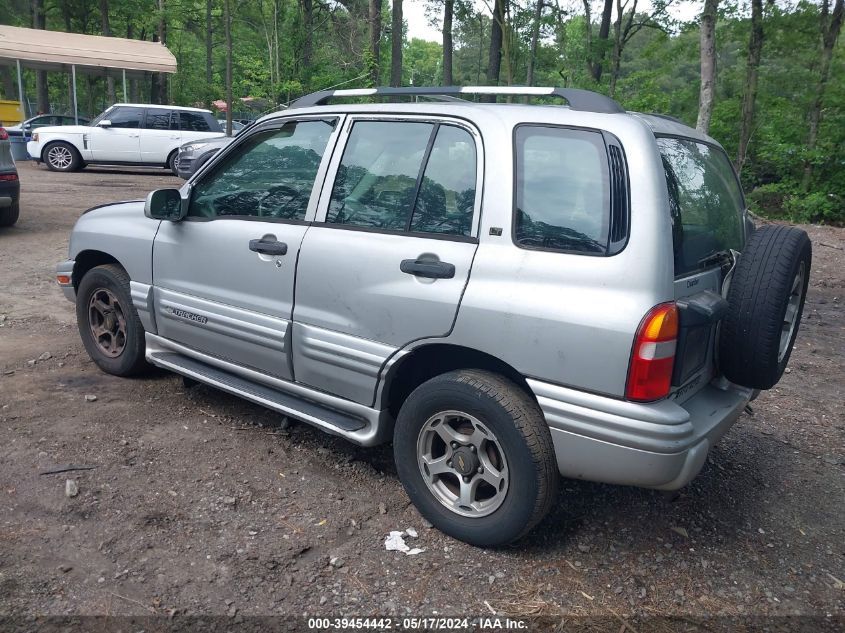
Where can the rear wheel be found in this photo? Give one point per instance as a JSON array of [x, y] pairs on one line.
[[62, 156], [173, 162], [10, 215], [108, 322], [475, 456]]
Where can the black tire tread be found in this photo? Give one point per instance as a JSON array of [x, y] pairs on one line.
[[751, 329], [139, 366], [10, 215], [531, 424]]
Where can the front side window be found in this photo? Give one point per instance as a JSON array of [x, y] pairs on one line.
[[562, 190], [158, 119], [270, 175], [406, 176], [705, 201], [125, 117]]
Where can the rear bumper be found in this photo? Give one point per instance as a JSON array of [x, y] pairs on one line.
[[657, 445]]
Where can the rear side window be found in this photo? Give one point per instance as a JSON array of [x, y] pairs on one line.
[[157, 119], [562, 190], [194, 122], [705, 202], [406, 176]]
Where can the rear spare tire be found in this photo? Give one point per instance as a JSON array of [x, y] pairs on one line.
[[766, 298]]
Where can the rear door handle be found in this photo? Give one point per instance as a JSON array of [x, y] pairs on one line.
[[432, 269], [268, 247]]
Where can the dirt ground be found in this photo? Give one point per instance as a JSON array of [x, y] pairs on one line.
[[200, 503]]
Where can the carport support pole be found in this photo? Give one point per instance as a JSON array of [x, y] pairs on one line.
[[20, 92], [125, 100], [75, 108]]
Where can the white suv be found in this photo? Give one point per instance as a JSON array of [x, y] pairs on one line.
[[125, 134]]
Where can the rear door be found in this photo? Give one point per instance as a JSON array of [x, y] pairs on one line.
[[390, 255], [706, 206], [224, 276], [120, 142], [160, 135]]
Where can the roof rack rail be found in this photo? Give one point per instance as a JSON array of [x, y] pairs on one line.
[[582, 100], [667, 117]]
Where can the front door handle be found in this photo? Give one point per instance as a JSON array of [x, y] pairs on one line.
[[268, 247], [430, 268]]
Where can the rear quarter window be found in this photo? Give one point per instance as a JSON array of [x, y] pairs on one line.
[[562, 190]]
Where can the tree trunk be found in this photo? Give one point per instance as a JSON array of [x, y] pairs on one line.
[[708, 65], [494, 59], [227, 25], [133, 83], [308, 27], [158, 81], [42, 93], [831, 25], [597, 66], [448, 11], [749, 98], [104, 12], [535, 36], [375, 40], [7, 83], [396, 45]]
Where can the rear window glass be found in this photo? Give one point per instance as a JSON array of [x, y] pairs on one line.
[[562, 190], [705, 202], [195, 122]]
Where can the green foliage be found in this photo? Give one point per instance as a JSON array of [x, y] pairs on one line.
[[281, 52]]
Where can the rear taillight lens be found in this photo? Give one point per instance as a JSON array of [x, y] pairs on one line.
[[653, 356], [4, 135], [8, 177]]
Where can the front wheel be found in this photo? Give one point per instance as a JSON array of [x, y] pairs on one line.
[[62, 156], [108, 322], [475, 456], [9, 215]]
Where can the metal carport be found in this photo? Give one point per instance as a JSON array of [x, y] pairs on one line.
[[91, 54]]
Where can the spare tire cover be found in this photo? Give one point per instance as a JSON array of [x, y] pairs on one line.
[[766, 298]]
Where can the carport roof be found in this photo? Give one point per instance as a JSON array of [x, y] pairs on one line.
[[56, 50]]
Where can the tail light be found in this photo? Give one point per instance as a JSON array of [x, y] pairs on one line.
[[6, 177], [4, 135], [653, 356]]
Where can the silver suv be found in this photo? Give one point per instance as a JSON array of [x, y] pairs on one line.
[[508, 292]]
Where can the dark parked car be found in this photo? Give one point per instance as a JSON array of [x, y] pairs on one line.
[[195, 154], [10, 186], [43, 120]]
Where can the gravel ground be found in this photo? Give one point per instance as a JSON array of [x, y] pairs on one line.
[[199, 503]]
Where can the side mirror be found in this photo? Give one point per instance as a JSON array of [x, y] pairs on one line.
[[104, 123], [165, 204], [27, 126]]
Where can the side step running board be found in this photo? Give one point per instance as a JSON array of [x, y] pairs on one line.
[[328, 419]]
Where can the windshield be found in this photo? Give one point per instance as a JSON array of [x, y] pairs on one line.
[[705, 202], [99, 117]]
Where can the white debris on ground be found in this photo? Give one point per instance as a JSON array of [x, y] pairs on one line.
[[395, 541]]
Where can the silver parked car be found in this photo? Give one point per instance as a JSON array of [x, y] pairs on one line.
[[507, 292]]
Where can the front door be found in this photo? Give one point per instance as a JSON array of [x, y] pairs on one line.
[[224, 276], [389, 260], [120, 141]]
